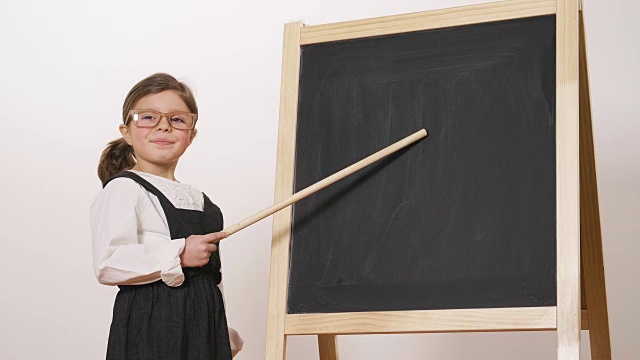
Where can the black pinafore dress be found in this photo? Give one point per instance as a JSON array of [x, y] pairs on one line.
[[158, 322]]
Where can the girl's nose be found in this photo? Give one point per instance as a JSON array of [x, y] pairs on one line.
[[163, 124]]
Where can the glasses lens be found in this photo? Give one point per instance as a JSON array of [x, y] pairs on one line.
[[182, 121], [146, 119]]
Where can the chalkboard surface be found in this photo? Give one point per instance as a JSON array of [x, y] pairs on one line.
[[465, 218]]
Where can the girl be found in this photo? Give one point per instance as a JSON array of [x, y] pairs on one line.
[[156, 238]]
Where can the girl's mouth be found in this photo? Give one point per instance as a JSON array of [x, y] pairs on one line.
[[162, 141]]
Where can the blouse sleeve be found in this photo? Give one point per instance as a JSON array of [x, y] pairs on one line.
[[119, 255]]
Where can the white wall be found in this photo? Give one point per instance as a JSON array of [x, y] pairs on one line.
[[66, 67]]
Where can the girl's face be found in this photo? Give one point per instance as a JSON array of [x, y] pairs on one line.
[[161, 145]]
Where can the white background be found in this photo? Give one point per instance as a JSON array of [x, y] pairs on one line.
[[66, 67]]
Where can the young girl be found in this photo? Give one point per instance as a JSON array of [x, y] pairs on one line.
[[156, 238]]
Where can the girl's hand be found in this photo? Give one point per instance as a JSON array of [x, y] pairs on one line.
[[198, 249]]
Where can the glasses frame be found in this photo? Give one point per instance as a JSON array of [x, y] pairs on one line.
[[160, 116]]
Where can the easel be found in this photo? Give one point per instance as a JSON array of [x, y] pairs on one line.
[[578, 224]]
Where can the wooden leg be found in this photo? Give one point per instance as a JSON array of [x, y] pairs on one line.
[[328, 345], [276, 347], [567, 180], [281, 236], [584, 319], [591, 236]]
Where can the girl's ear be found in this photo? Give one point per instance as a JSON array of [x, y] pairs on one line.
[[126, 134], [193, 135]]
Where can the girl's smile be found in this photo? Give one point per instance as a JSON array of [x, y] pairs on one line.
[[162, 141]]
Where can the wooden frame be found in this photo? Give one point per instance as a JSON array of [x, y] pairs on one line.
[[577, 204], [595, 316], [567, 181]]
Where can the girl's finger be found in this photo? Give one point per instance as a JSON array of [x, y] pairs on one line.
[[215, 237]]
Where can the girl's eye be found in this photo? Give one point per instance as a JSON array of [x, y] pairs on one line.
[[177, 119], [147, 117]]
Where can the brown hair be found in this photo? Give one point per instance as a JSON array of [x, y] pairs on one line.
[[118, 155]]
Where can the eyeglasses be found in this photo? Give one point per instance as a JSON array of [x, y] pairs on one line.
[[180, 120]]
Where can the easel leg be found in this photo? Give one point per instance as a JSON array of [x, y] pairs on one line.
[[567, 181], [591, 236], [328, 345], [276, 346]]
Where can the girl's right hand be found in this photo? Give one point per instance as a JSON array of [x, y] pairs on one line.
[[198, 249]]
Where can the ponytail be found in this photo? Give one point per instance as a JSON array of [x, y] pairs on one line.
[[116, 157]]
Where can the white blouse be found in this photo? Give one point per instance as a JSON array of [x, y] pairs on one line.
[[131, 239]]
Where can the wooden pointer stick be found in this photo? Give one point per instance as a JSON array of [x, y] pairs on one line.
[[326, 181]]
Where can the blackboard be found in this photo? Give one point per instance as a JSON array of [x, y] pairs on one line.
[[465, 218]]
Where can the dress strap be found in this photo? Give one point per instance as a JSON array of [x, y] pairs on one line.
[[167, 205]]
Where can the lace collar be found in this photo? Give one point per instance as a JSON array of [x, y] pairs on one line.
[[182, 196]]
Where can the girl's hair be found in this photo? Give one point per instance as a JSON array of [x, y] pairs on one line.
[[118, 155]]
